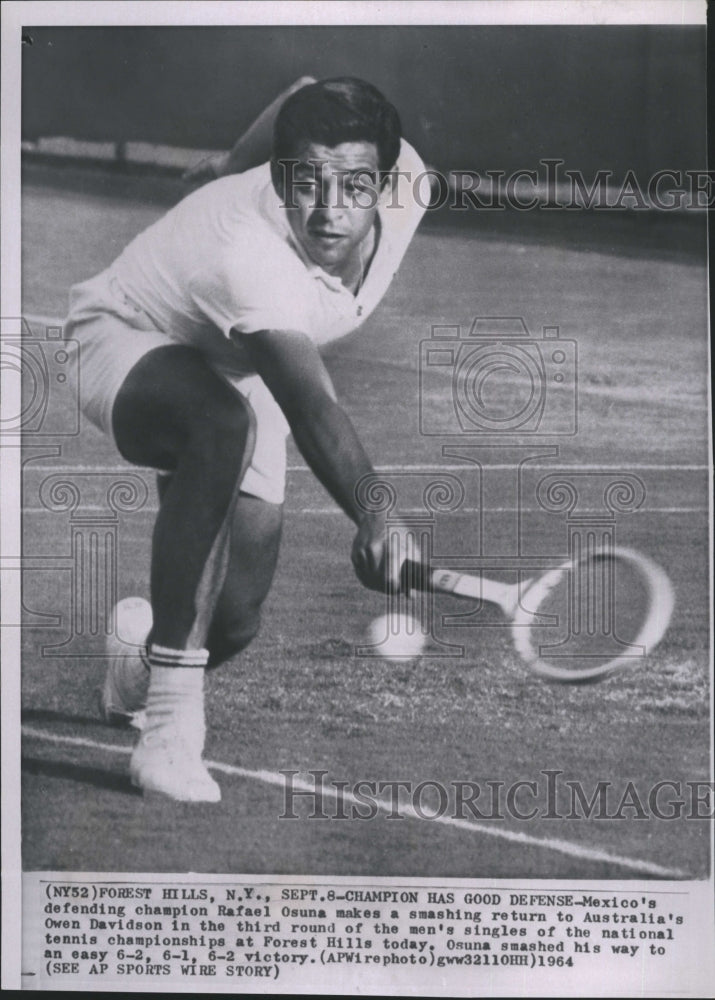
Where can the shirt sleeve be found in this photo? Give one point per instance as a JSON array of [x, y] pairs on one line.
[[407, 201], [258, 284]]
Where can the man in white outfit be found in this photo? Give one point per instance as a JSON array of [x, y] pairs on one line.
[[199, 351]]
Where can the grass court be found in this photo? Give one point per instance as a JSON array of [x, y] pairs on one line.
[[632, 293]]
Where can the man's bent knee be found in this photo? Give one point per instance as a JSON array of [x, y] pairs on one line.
[[172, 401], [223, 427]]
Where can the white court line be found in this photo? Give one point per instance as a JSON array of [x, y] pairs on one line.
[[152, 509], [572, 850], [420, 467], [476, 510]]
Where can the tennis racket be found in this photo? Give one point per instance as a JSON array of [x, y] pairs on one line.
[[598, 612]]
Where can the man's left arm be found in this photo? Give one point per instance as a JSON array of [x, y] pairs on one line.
[[251, 149]]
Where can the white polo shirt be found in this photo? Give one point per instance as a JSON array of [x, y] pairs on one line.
[[226, 258]]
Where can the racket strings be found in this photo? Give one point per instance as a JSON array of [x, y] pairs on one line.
[[600, 611]]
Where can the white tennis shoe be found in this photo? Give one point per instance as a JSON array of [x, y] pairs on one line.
[[124, 694], [166, 763]]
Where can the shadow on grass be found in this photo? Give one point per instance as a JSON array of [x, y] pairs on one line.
[[78, 772], [49, 715]]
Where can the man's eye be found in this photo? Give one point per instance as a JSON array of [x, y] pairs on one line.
[[359, 186]]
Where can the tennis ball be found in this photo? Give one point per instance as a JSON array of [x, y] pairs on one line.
[[397, 637], [132, 621]]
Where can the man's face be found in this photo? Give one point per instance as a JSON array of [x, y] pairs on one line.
[[331, 197]]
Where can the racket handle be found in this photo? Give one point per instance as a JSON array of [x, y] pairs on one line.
[[418, 576]]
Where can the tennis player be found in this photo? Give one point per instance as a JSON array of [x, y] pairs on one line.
[[200, 351]]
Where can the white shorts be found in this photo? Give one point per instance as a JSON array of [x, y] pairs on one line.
[[113, 334]]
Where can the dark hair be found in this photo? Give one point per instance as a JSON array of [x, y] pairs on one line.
[[342, 109]]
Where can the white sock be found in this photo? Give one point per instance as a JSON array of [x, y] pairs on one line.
[[176, 693]]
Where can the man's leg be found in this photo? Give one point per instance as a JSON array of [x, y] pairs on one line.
[[253, 554], [255, 541], [173, 412]]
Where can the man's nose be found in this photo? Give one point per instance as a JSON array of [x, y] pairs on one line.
[[328, 200]]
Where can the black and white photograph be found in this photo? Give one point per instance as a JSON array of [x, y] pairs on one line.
[[356, 466]]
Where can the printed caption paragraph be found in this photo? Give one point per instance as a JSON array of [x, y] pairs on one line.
[[147, 935]]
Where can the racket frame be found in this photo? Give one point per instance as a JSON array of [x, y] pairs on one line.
[[513, 599]]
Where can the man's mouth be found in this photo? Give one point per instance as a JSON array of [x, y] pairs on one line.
[[325, 235]]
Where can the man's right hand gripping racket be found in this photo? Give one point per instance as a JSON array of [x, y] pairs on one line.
[[597, 613]]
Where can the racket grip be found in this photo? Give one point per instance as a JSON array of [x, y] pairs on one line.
[[415, 576]]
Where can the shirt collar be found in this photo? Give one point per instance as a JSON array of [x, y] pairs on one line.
[[275, 212]]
